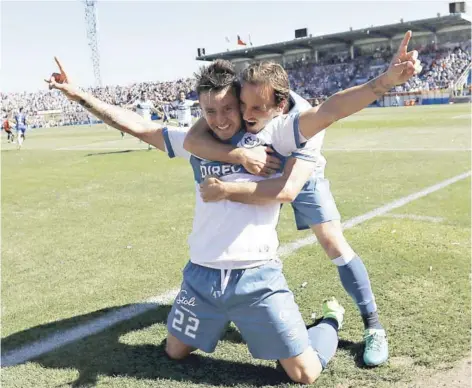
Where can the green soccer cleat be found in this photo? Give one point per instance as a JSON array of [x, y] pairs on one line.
[[376, 347], [332, 309]]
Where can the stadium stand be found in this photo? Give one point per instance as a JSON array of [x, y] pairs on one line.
[[322, 65], [317, 66], [51, 108]]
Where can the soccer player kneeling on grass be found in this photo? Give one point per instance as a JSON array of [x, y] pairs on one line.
[[266, 95], [233, 273]]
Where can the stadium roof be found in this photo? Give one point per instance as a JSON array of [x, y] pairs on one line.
[[388, 31]]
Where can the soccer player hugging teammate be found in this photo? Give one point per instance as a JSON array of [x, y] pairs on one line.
[[265, 94], [250, 290], [231, 276]]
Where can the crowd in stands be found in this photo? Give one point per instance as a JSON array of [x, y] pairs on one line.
[[72, 113], [441, 67]]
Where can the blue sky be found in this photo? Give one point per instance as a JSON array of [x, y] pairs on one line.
[[158, 40]]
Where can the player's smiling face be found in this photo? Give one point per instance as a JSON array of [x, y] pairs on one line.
[[258, 106], [221, 111]]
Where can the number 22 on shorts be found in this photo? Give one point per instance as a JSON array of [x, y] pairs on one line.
[[191, 326]]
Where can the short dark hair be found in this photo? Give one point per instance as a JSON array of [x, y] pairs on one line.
[[217, 77], [269, 73]]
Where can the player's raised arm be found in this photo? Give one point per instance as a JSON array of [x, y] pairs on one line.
[[404, 65], [201, 143], [122, 119]]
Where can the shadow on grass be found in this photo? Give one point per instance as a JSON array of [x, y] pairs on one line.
[[115, 152], [105, 354], [356, 349]]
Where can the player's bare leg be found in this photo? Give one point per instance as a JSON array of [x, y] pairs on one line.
[[307, 366], [176, 349], [21, 138], [304, 368]]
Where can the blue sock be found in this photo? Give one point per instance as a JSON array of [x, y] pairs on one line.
[[355, 280], [324, 339]]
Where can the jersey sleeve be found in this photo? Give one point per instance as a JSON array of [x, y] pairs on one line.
[[287, 141], [284, 133], [311, 149], [190, 103], [174, 141]]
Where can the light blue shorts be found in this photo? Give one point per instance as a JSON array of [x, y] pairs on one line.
[[315, 204], [257, 300]]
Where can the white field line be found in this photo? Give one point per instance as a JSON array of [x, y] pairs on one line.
[[291, 247], [91, 145], [102, 147], [397, 149], [463, 117], [415, 217], [37, 348]]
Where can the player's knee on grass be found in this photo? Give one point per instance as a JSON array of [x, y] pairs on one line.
[[331, 238], [304, 368], [176, 349]]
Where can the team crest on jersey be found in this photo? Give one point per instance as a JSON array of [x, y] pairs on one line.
[[249, 140]]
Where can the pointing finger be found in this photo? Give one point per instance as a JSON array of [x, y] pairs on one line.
[[404, 44], [59, 65]]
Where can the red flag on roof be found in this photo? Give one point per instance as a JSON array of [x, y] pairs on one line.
[[240, 42]]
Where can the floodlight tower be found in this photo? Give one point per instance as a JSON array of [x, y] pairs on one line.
[[92, 37]]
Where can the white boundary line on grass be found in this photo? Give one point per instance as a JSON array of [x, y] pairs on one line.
[[106, 146], [397, 149], [55, 341], [415, 217], [78, 147]]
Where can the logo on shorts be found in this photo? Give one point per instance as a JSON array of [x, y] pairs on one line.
[[283, 316], [184, 301], [292, 334], [249, 141]]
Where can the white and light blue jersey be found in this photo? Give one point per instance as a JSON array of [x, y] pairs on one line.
[[297, 103], [184, 113], [227, 234], [20, 119], [312, 150], [144, 108]]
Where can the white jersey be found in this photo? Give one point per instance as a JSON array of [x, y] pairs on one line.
[[143, 108], [298, 105], [184, 113], [227, 234]]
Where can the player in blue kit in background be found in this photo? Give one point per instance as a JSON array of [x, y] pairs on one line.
[[20, 119]]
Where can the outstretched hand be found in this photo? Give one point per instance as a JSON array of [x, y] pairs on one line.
[[405, 64], [60, 81]]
